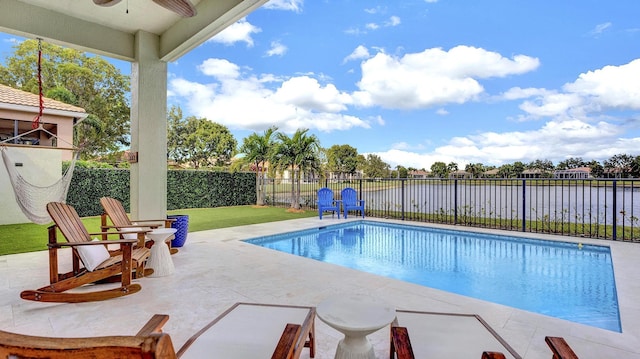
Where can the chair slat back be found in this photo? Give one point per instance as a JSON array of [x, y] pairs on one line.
[[156, 345], [116, 212], [325, 196], [68, 221], [349, 196]]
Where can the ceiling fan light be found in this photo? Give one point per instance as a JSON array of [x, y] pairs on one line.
[[106, 2], [181, 7]]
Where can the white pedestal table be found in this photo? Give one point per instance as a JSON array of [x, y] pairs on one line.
[[160, 259], [356, 316]]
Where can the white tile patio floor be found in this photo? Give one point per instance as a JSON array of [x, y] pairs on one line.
[[216, 269]]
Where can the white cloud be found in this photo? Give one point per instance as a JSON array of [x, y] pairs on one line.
[[219, 68], [574, 127], [611, 87], [359, 53], [372, 26], [354, 31], [379, 120], [434, 76], [289, 5], [277, 49], [600, 28], [556, 140], [551, 105], [375, 10], [406, 146], [393, 21], [12, 40], [517, 93], [307, 93], [239, 31], [256, 102]]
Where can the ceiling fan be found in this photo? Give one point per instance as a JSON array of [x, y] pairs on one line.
[[183, 8]]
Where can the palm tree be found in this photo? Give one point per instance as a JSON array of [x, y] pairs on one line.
[[297, 153], [258, 150]]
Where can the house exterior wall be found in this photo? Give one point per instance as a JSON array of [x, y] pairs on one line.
[[64, 130]]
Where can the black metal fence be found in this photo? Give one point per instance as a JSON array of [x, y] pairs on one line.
[[594, 208]]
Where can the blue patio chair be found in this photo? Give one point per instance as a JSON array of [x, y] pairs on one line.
[[350, 201], [327, 203]]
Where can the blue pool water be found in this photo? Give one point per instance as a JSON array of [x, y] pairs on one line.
[[559, 279]]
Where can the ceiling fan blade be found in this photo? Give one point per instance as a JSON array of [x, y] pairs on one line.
[[106, 2], [183, 8]]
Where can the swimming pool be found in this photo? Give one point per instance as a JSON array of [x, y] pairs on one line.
[[560, 279]]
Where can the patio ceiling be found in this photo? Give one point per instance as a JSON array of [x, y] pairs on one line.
[[148, 36], [111, 31]]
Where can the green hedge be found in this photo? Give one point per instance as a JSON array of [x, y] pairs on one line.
[[185, 189]]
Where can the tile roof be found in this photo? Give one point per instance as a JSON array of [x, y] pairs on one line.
[[13, 96]]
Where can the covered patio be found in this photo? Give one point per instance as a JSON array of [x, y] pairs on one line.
[[145, 34], [216, 269]]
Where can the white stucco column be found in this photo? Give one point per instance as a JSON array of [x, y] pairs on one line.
[[148, 129]]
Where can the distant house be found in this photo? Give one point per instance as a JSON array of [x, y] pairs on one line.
[[533, 173], [460, 174], [490, 173], [419, 174], [573, 173]]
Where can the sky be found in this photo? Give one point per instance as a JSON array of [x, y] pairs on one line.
[[420, 81]]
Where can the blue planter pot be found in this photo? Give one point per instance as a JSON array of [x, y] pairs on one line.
[[181, 224]]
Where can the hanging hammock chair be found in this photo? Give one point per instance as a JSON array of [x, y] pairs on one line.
[[32, 199]]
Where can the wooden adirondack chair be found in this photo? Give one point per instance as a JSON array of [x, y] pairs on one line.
[[149, 343], [117, 266], [326, 202], [350, 201], [560, 348], [401, 346], [114, 210]]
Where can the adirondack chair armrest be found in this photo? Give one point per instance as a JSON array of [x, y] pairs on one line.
[[153, 223], [138, 230], [130, 226], [90, 243], [153, 220], [95, 243], [560, 348], [154, 325], [287, 343], [127, 226]]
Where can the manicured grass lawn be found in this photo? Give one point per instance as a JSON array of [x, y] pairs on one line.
[[29, 237]]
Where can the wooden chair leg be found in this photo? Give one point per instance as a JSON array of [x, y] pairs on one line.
[[400, 344]]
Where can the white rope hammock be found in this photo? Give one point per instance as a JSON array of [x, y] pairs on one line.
[[33, 199]]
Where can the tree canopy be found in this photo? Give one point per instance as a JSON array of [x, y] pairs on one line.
[[258, 150], [342, 159], [298, 153], [375, 167], [82, 80], [198, 141]]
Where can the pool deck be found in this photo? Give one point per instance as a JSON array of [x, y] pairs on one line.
[[215, 269]]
